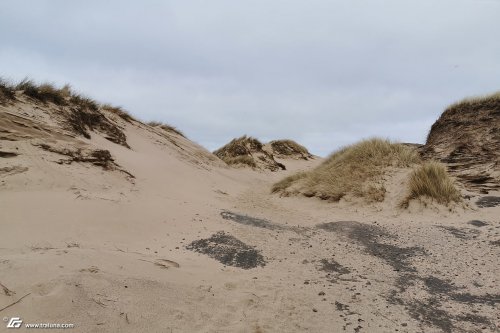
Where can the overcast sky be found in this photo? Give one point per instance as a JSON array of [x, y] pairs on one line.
[[325, 73]]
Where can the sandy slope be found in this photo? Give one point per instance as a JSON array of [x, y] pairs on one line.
[[107, 252]]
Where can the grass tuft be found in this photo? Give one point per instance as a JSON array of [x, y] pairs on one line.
[[166, 127], [49, 93], [7, 91], [45, 92], [84, 102], [28, 87], [431, 180], [119, 111]]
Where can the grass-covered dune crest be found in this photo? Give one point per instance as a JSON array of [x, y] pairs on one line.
[[287, 148], [248, 151], [355, 170]]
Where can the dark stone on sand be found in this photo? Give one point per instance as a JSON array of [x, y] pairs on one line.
[[7, 154], [477, 223]]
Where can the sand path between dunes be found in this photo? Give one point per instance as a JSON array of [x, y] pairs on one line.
[[150, 255]]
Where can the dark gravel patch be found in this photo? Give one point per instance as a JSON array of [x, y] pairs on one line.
[[397, 257], [462, 233], [256, 222], [228, 250], [474, 318], [370, 236], [488, 201], [403, 282], [438, 286], [487, 299], [429, 312], [250, 221], [361, 232], [331, 266]]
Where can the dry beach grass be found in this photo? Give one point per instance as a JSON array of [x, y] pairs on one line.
[[431, 180], [356, 169]]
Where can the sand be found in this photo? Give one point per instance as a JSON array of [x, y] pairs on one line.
[[169, 239]]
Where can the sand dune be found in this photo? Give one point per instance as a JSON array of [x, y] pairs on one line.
[[287, 149], [467, 138], [123, 226], [248, 152]]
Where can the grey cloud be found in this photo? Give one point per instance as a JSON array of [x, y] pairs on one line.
[[326, 73]]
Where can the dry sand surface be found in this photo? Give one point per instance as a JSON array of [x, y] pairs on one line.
[[166, 238]]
